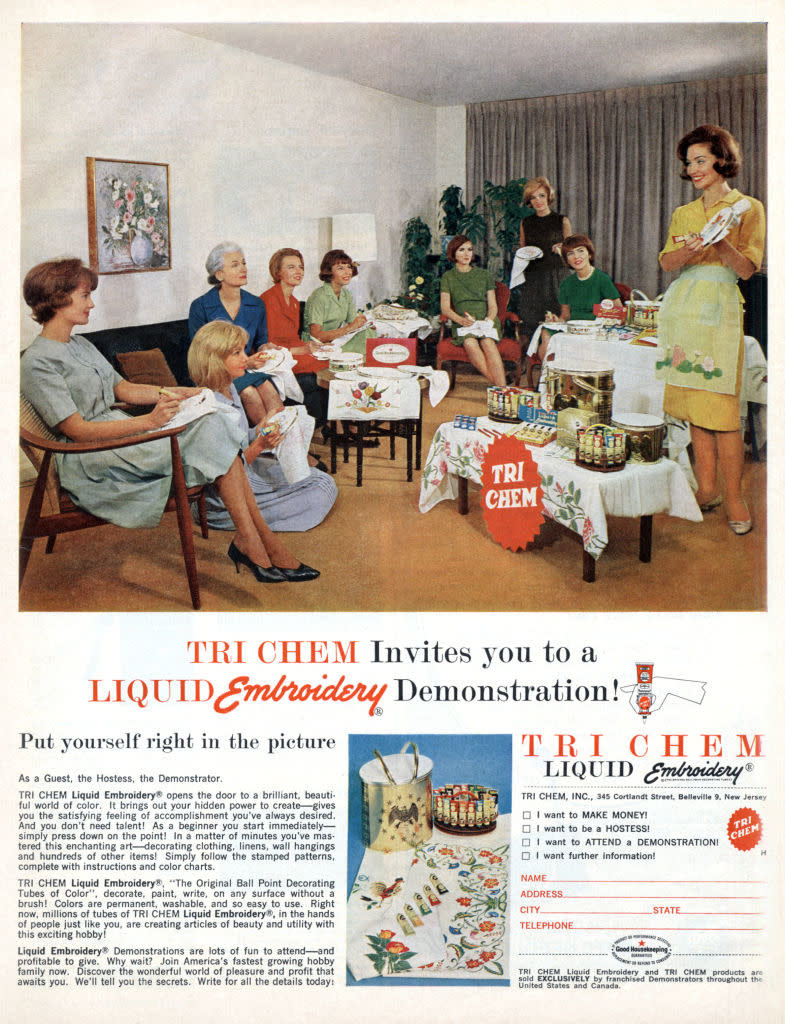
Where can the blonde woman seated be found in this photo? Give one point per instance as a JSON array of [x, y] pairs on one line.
[[73, 388], [228, 300], [216, 358]]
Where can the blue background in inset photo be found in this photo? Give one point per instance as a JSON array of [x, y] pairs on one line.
[[483, 759]]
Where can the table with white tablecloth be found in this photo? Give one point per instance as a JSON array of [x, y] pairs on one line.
[[636, 390], [576, 498]]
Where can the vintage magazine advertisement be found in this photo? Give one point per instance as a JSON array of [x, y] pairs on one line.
[[376, 816]]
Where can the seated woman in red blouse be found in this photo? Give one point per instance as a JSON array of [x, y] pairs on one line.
[[283, 327]]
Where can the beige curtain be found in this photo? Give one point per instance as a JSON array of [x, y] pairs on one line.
[[611, 156]]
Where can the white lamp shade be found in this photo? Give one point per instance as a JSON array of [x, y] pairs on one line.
[[355, 233]]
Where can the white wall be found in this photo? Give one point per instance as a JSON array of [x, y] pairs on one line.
[[258, 152], [450, 147]]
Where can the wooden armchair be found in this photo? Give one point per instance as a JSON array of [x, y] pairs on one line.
[[51, 511], [448, 356]]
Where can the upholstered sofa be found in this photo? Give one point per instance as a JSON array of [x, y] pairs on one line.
[[171, 337]]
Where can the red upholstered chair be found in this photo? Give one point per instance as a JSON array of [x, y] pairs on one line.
[[449, 356]]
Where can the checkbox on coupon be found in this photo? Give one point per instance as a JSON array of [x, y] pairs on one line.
[[526, 828], [526, 842], [527, 814], [525, 855]]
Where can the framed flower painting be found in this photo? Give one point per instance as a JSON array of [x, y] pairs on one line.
[[128, 216]]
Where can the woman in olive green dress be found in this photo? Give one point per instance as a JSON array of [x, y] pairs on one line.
[[467, 296]]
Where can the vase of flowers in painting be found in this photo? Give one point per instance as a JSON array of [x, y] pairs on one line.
[[141, 249]]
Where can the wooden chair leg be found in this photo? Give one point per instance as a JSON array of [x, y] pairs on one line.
[[184, 522], [644, 547], [418, 437], [50, 543], [32, 516], [201, 504], [360, 437]]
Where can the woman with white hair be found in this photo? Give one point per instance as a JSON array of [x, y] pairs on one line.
[[228, 300]]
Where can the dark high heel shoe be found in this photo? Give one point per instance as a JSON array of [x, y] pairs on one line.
[[263, 573], [298, 575]]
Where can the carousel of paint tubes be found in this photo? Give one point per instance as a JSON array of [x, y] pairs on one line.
[[601, 447], [465, 808]]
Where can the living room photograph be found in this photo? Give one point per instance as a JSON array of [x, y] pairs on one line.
[[256, 247]]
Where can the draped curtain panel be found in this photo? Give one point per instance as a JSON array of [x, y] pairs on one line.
[[611, 156]]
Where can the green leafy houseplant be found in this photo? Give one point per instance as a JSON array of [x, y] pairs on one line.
[[506, 210], [453, 210], [421, 271]]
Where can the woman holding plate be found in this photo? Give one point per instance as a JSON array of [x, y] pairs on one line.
[[228, 300], [546, 231], [215, 360], [700, 322]]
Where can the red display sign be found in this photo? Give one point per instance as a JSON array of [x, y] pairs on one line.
[[511, 494]]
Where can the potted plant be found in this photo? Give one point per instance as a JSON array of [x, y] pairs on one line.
[[453, 209], [506, 211]]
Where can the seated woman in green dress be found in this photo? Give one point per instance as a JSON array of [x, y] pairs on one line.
[[73, 388], [330, 313], [468, 297]]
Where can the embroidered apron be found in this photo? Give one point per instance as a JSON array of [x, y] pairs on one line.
[[700, 330]]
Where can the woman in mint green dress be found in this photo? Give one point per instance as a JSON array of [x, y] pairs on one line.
[[73, 389], [330, 313], [468, 295]]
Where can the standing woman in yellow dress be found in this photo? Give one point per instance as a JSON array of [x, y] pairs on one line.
[[700, 322]]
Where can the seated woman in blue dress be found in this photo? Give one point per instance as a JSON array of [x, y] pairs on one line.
[[72, 388], [228, 300], [217, 358]]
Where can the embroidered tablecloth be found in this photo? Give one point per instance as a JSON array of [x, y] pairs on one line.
[[575, 497], [374, 398], [438, 911]]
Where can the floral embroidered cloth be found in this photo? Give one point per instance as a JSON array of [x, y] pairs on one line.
[[575, 497], [281, 369], [479, 329], [437, 911], [700, 330], [399, 322], [374, 398]]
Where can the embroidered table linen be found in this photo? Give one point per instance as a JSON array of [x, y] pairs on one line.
[[521, 261], [284, 377], [479, 329], [438, 383], [374, 399], [399, 322], [438, 911], [575, 497]]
